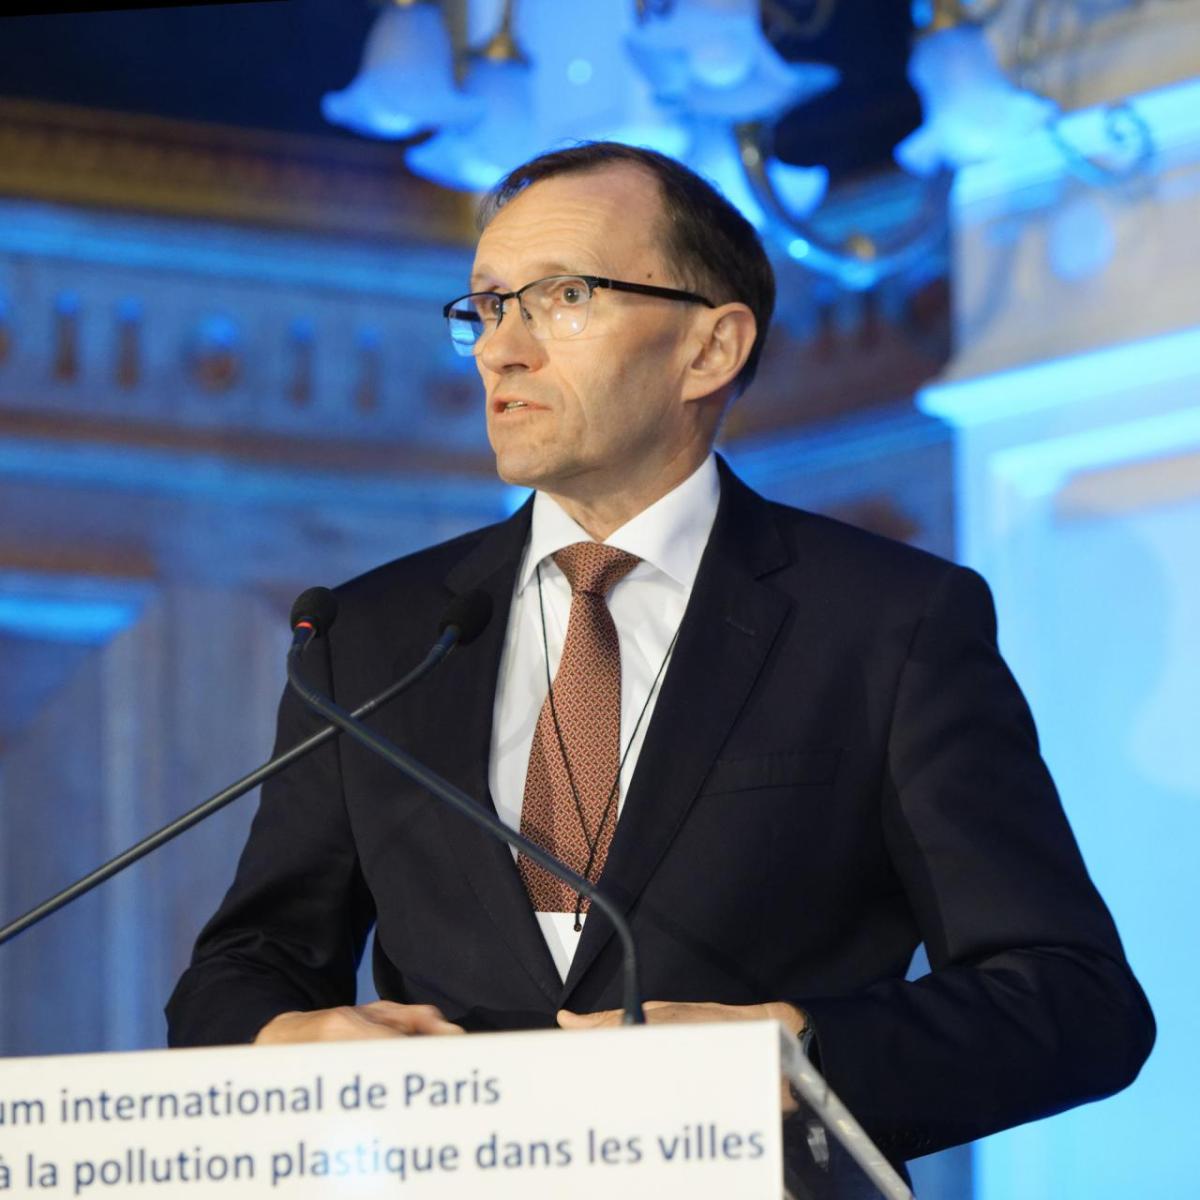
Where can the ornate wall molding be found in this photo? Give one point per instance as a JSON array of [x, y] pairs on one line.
[[153, 165], [1046, 267], [167, 273], [889, 471], [1079, 500]]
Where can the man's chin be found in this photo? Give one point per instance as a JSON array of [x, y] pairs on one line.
[[520, 472]]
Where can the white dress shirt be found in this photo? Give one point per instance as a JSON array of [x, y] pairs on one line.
[[647, 606]]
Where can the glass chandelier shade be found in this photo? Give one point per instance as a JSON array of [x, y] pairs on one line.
[[972, 112], [641, 122], [476, 157], [712, 59], [575, 83], [406, 81], [716, 155], [800, 188]]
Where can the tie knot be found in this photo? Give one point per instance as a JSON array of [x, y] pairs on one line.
[[593, 567]]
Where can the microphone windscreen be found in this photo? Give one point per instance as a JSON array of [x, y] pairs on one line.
[[470, 612], [318, 607]]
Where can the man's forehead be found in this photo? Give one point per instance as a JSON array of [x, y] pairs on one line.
[[591, 221]]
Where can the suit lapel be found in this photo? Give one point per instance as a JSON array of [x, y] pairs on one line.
[[727, 631], [488, 863]]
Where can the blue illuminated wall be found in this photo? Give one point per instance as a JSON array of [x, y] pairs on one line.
[[1075, 395], [1079, 498]]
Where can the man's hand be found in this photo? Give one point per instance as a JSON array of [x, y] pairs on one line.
[[672, 1012], [381, 1019]]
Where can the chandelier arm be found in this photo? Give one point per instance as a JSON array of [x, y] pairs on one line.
[[861, 261], [779, 14], [502, 46], [1031, 46], [948, 13], [1122, 123], [984, 14], [649, 9]]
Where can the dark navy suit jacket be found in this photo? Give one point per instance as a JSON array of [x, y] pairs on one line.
[[839, 767]]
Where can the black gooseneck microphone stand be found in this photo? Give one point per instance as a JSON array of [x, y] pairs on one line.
[[307, 625], [463, 621]]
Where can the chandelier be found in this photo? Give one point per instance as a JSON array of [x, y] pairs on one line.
[[697, 80]]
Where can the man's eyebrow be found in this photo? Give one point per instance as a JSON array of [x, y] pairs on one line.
[[483, 279]]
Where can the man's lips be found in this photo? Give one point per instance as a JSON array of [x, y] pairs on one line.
[[511, 404]]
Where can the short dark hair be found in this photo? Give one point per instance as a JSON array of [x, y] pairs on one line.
[[716, 250]]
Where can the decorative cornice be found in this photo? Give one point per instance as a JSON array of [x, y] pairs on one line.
[[67, 446], [1143, 369], [150, 164], [843, 445]]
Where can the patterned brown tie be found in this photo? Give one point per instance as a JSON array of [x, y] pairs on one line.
[[587, 701]]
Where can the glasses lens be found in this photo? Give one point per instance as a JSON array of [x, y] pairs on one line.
[[557, 307], [551, 308], [470, 317]]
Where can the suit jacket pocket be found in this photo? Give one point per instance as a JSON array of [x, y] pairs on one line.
[[789, 768]]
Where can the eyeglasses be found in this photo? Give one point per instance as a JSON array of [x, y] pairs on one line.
[[555, 307]]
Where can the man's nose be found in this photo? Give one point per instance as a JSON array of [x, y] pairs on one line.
[[510, 346]]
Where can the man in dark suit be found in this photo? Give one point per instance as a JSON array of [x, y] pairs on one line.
[[832, 762]]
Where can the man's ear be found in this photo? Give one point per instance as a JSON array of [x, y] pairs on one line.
[[727, 336]]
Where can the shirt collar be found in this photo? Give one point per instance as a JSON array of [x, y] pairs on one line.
[[670, 535]]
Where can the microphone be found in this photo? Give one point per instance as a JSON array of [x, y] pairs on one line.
[[304, 628], [469, 614], [314, 612], [464, 619]]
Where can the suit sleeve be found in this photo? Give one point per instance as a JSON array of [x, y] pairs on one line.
[[1030, 1006], [289, 934]]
